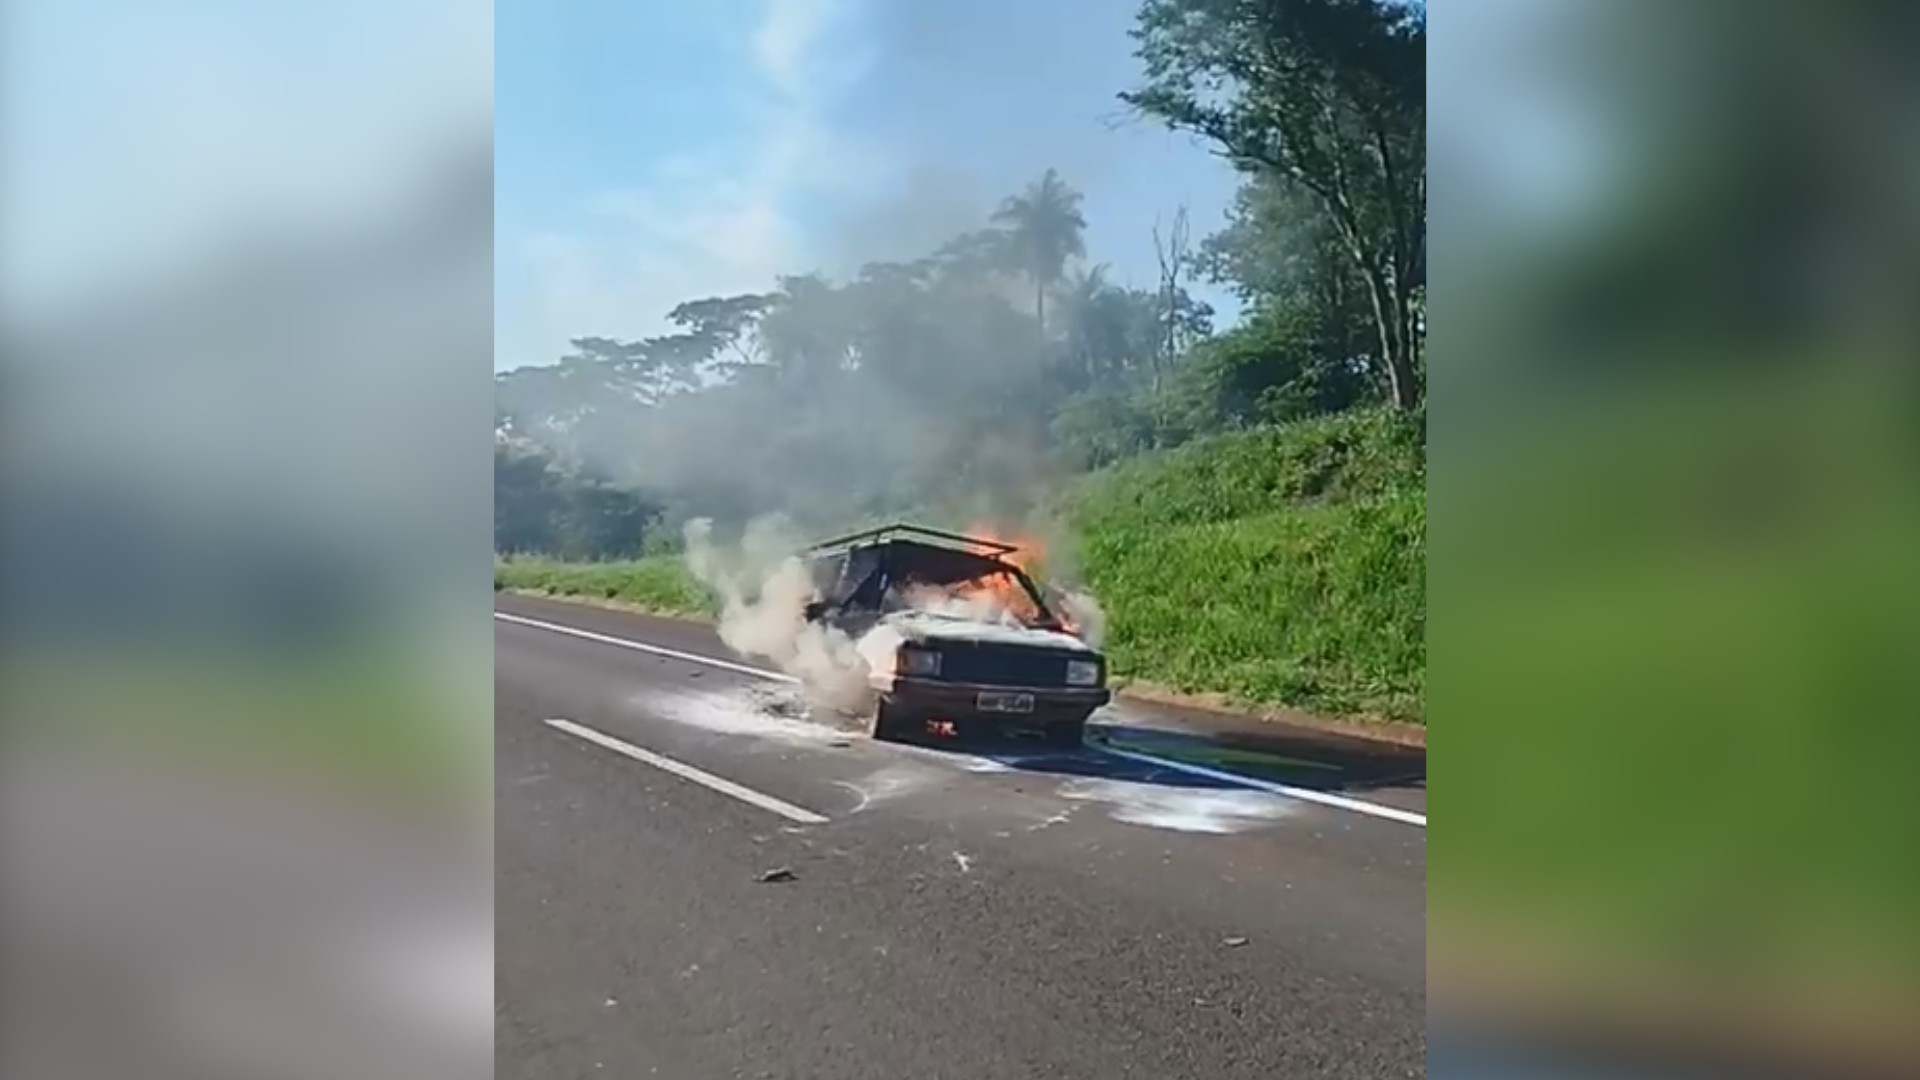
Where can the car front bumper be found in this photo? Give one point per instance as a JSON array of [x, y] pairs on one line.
[[951, 700]]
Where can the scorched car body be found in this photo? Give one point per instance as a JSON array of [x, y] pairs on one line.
[[1020, 672]]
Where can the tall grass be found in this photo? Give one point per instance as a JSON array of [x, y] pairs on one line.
[[1282, 566], [656, 583]]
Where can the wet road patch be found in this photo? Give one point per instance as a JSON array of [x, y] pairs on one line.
[[1259, 764]]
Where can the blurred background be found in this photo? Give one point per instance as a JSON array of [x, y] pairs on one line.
[[1675, 540], [245, 361], [246, 357]]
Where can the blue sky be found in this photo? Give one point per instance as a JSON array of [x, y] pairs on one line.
[[649, 152], [144, 140]]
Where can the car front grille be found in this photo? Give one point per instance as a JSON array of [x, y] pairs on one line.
[[1000, 666]]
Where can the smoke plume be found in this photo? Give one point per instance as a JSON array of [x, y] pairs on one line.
[[764, 589], [1084, 613]]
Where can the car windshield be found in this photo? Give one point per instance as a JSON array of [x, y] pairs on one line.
[[1000, 596]]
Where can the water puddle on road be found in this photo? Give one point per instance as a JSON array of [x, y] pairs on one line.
[[1244, 761]]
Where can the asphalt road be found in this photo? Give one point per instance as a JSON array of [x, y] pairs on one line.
[[972, 913]]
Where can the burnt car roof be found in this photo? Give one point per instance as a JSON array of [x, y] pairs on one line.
[[948, 540], [928, 555], [865, 565]]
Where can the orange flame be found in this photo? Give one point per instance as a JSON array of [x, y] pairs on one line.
[[1001, 592]]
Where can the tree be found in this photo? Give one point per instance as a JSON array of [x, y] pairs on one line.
[[725, 322], [541, 507], [1044, 230], [1282, 257], [1277, 244], [1182, 320], [523, 502], [982, 253], [911, 384], [1329, 95], [808, 332], [1097, 336], [1274, 368], [1109, 334], [1096, 429], [598, 520]]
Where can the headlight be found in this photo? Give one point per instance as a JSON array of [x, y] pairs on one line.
[[924, 662], [1083, 673]]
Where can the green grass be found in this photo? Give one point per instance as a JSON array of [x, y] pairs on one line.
[[656, 583], [1331, 460], [1280, 566]]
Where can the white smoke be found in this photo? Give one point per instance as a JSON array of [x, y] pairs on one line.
[[1084, 613], [764, 590]]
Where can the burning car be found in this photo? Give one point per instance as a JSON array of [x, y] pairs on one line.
[[972, 642]]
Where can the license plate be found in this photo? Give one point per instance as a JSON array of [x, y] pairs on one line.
[[1002, 702]]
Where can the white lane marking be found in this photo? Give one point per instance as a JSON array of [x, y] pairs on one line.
[[675, 654], [1323, 798], [1391, 813], [687, 772]]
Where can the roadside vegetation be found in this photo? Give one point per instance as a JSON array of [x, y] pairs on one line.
[[1276, 566], [660, 584], [1247, 501], [1280, 566]]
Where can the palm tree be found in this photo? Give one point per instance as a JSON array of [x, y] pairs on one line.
[[1087, 324], [1043, 226]]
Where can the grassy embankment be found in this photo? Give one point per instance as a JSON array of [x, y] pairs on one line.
[[1282, 566], [657, 583]]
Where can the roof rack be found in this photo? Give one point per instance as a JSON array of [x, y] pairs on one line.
[[885, 532]]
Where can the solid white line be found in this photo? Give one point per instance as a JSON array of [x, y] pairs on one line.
[[1391, 813], [1339, 802], [687, 772], [675, 654]]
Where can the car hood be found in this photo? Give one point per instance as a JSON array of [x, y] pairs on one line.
[[921, 626]]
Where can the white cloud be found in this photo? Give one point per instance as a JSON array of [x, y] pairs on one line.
[[710, 221]]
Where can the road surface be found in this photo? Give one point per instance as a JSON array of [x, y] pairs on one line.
[[974, 913]]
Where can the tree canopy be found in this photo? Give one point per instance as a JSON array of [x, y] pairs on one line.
[[989, 370], [1326, 98]]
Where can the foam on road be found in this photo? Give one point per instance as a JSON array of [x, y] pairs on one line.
[[782, 714], [979, 914]]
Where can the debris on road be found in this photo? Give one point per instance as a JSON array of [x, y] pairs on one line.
[[1234, 942], [779, 873]]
